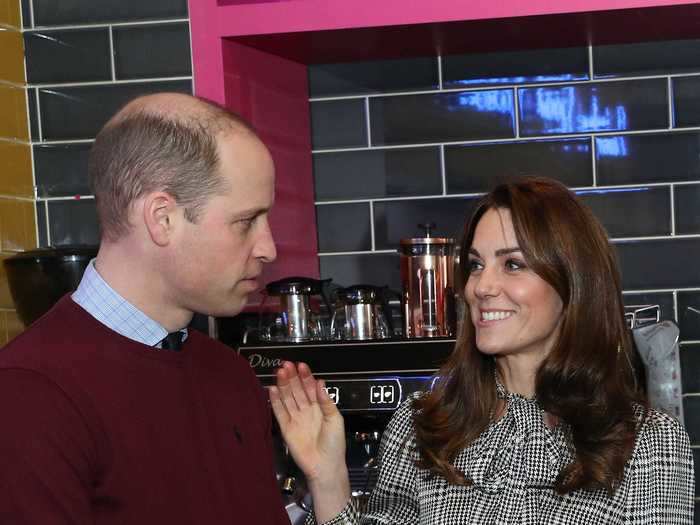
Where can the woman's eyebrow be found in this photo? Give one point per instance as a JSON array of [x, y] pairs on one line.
[[499, 252], [506, 251]]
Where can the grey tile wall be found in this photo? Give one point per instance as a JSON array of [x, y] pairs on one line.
[[620, 124], [84, 60]]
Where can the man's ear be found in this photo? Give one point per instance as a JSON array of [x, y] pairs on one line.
[[159, 210]]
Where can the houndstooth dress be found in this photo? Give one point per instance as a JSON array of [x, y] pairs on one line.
[[513, 465]]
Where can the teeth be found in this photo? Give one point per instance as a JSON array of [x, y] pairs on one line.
[[495, 316]]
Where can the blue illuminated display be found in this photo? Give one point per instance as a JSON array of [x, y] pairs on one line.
[[569, 109], [518, 79], [493, 101], [611, 146]]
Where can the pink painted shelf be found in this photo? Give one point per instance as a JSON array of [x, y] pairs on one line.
[[252, 56], [237, 18]]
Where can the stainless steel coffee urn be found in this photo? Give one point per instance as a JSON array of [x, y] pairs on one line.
[[361, 313], [297, 320], [427, 275]]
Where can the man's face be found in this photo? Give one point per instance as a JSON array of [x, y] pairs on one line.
[[219, 258]]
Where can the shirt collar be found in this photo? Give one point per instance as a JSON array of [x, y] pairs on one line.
[[101, 301]]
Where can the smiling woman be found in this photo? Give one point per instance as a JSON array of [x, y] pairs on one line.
[[536, 417]]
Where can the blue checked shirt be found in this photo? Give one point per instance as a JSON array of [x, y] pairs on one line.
[[112, 310]]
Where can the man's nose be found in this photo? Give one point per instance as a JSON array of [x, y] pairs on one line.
[[265, 249]]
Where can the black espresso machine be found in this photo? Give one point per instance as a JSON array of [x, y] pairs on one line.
[[367, 380]]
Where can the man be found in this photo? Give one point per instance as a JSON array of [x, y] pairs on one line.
[[105, 419]]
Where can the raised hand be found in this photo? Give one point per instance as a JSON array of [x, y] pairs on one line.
[[314, 432]]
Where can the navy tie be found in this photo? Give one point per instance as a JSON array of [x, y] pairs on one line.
[[172, 341]]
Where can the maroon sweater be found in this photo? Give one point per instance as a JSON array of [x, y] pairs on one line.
[[99, 429]]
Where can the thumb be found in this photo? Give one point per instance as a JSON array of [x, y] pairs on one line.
[[327, 405]]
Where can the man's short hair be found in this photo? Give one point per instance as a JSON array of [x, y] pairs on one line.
[[144, 151]]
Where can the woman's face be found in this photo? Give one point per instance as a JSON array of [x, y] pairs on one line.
[[512, 308]]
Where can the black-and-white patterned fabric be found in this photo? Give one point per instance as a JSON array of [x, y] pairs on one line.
[[513, 465]]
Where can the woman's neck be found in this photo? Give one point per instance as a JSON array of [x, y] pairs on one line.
[[518, 372]]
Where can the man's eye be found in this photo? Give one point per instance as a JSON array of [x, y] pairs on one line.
[[246, 224]]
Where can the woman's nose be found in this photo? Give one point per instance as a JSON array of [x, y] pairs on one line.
[[487, 283]]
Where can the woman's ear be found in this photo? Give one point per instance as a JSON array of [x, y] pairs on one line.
[[159, 209]]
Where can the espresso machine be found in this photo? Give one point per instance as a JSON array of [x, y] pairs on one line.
[[367, 380]]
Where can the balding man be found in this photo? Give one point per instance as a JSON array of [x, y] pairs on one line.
[[112, 412]]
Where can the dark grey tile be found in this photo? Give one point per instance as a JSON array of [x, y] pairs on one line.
[[414, 119], [652, 157], [609, 106], [690, 367], [659, 263], [377, 76], [474, 168], [691, 416], [26, 14], [60, 170], [51, 12], [689, 314], [73, 222], [515, 67], [79, 112], [379, 269], [33, 114], [646, 58], [338, 124], [396, 220], [664, 300], [687, 207], [343, 227], [43, 239], [400, 172], [75, 55], [686, 104], [631, 212], [152, 51]]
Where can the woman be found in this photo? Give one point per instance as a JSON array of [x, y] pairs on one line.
[[536, 417]]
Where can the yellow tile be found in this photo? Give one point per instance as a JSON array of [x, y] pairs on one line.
[[10, 13], [29, 213], [17, 231], [6, 301], [11, 56], [14, 325], [16, 169], [3, 328], [13, 113]]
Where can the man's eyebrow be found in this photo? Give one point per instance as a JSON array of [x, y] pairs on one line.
[[252, 212]]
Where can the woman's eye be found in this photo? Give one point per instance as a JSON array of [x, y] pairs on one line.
[[514, 264], [473, 265]]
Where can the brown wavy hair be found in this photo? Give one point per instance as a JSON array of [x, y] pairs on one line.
[[586, 381]]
